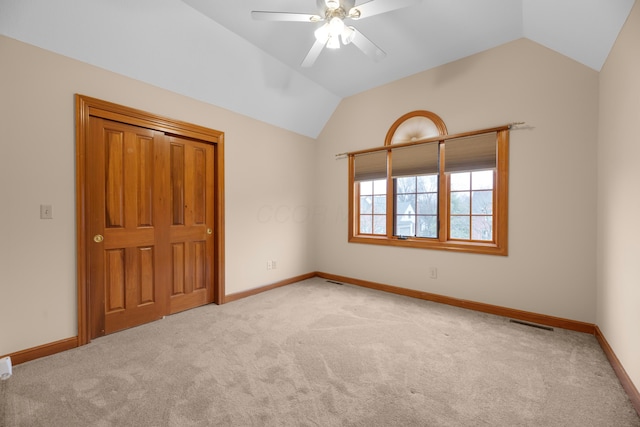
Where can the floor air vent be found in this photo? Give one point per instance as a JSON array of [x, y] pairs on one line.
[[335, 283], [533, 325]]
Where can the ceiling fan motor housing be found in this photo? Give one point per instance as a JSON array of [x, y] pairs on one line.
[[345, 5]]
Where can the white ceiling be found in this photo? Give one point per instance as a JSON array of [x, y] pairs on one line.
[[214, 51], [425, 35]]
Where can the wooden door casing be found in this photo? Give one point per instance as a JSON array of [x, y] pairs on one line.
[[135, 258]]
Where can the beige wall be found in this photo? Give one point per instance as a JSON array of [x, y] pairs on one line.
[[267, 182], [618, 315], [552, 244]]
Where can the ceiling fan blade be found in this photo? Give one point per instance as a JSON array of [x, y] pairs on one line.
[[367, 46], [284, 16], [313, 54], [376, 7]]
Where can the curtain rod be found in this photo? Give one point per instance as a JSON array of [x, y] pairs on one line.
[[431, 139]]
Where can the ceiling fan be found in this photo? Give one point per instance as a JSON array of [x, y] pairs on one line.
[[334, 13]]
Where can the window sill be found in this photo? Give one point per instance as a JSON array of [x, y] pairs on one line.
[[451, 245]]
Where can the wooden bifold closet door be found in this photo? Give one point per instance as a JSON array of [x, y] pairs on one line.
[[189, 232], [150, 221]]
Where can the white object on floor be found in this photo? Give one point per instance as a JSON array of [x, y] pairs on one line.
[[5, 368]]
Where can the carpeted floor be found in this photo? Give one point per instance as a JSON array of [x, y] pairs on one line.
[[321, 354]]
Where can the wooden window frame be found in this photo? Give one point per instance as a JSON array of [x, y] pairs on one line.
[[499, 245]]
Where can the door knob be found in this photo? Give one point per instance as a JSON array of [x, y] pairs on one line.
[[98, 238], [209, 231]]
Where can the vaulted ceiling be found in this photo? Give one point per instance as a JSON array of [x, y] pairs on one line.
[[214, 51]]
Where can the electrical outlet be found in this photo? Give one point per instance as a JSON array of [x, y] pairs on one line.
[[433, 272], [269, 265], [46, 212], [273, 265]]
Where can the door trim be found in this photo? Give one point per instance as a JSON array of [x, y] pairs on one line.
[[86, 107]]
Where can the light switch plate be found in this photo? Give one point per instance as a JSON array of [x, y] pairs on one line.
[[46, 212]]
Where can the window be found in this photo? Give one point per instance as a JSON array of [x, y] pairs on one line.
[[416, 206], [427, 189], [373, 207], [471, 195]]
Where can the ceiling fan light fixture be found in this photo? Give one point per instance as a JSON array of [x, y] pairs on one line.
[[322, 33], [333, 43], [336, 27], [348, 34]]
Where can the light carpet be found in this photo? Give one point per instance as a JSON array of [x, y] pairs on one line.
[[317, 353]]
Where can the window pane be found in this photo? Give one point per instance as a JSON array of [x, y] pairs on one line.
[[460, 181], [427, 204], [482, 227], [380, 186], [406, 185], [403, 198], [405, 225], [365, 205], [482, 180], [427, 183], [427, 226], [365, 224], [380, 204], [482, 202], [460, 227], [379, 224], [460, 203], [366, 187], [406, 204]]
